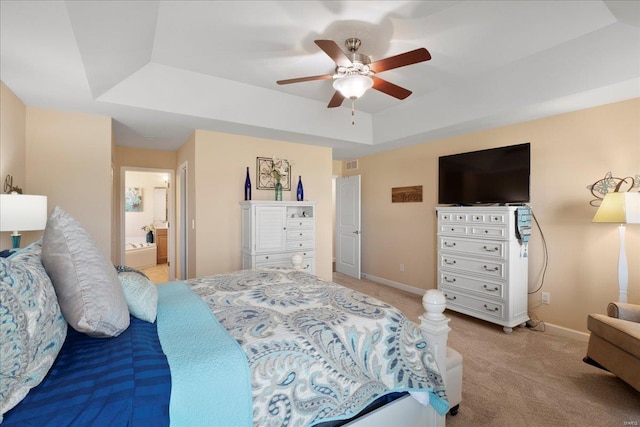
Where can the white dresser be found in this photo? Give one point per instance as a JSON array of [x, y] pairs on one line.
[[273, 231], [482, 267]]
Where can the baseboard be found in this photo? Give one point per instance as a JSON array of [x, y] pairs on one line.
[[550, 328], [561, 331], [397, 285]]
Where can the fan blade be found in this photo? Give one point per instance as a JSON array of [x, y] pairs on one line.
[[336, 100], [305, 79], [333, 50], [390, 89], [407, 58]]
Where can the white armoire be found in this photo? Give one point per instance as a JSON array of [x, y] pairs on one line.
[[272, 232]]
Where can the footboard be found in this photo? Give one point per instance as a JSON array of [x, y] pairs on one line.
[[435, 328]]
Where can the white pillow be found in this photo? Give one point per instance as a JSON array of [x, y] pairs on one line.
[[141, 295], [87, 285]]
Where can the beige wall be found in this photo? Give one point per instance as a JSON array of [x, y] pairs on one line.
[[68, 158], [219, 180], [569, 152], [13, 115]]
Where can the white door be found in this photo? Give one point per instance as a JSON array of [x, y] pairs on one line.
[[348, 226]]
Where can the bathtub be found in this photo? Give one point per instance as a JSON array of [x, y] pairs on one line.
[[139, 253]]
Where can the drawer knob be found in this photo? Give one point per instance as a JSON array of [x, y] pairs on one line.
[[488, 249], [453, 229], [301, 234], [489, 289], [491, 268], [449, 245], [486, 307], [267, 257], [448, 280], [448, 262], [451, 298], [486, 231]]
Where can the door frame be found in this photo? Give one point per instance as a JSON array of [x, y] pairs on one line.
[[171, 244]]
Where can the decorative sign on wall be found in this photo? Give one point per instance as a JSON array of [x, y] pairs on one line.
[[406, 194], [269, 170], [133, 199], [611, 183]]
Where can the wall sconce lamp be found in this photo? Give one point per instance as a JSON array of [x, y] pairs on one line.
[[622, 208], [23, 212]]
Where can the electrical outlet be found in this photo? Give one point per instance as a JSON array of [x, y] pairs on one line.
[[401, 267], [546, 298]]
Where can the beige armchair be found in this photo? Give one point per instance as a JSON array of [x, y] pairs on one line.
[[614, 343]]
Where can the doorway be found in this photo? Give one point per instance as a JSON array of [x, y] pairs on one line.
[[147, 204]]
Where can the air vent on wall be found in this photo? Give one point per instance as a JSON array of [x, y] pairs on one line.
[[351, 165]]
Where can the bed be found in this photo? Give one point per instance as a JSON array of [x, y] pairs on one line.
[[272, 347]]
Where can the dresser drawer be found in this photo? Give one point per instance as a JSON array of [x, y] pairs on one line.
[[281, 256], [299, 245], [301, 234], [474, 305], [296, 223], [495, 232], [490, 248], [307, 264], [488, 268], [453, 229], [465, 284]]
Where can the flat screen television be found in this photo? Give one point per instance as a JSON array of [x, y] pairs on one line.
[[497, 175]]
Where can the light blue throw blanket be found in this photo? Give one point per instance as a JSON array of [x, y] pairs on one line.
[[209, 370]]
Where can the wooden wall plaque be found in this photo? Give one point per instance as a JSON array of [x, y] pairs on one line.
[[406, 194]]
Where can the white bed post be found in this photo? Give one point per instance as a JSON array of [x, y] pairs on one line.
[[435, 328]]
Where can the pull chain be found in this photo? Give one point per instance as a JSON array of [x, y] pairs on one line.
[[353, 111]]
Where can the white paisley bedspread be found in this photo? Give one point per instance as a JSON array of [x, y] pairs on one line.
[[318, 351]]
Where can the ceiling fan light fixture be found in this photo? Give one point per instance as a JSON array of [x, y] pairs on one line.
[[353, 86]]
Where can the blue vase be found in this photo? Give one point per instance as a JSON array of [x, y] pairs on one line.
[[150, 237], [300, 192], [247, 186]]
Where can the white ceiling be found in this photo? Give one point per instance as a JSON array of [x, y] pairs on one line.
[[164, 68]]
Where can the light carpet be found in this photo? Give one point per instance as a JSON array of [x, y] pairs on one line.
[[526, 378]]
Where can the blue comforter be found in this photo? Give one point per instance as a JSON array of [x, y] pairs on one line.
[[123, 381]]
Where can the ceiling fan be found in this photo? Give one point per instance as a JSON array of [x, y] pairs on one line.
[[355, 73]]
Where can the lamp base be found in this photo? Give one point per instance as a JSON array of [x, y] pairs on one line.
[[15, 241]]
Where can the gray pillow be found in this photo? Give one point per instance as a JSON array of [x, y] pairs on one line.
[[87, 285], [33, 329]]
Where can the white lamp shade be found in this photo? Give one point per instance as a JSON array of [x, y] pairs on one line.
[[621, 208], [22, 212], [353, 86]]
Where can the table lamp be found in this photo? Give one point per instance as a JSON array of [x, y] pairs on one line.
[[24, 212], [622, 208]]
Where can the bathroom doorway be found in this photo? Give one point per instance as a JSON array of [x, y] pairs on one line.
[[146, 220]]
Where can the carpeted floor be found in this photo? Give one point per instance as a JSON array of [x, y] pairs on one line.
[[526, 378]]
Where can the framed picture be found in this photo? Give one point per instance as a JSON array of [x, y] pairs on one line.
[[265, 179], [133, 199]]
